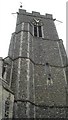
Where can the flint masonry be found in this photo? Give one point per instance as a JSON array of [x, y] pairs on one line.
[[36, 68]]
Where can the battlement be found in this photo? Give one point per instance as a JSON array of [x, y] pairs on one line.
[[34, 13]]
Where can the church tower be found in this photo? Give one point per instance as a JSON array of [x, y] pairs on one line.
[[37, 71]]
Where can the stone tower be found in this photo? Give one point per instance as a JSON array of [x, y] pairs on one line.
[[37, 70]]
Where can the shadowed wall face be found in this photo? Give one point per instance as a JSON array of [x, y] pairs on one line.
[[38, 76]]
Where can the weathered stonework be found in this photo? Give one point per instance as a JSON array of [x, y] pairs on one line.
[[37, 69]]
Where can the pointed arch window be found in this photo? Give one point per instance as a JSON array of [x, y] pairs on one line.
[[38, 31]]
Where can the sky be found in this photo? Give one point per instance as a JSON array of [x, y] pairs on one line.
[[8, 20]]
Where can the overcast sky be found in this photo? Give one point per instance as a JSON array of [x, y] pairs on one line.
[[8, 21]]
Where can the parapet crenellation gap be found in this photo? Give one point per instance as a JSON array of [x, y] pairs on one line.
[[34, 13]]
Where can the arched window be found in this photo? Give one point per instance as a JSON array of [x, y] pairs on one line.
[[37, 31]]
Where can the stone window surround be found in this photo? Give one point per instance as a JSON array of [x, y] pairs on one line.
[[38, 23]]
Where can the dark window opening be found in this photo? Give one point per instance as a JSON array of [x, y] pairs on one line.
[[47, 63], [40, 31], [35, 31], [48, 78]]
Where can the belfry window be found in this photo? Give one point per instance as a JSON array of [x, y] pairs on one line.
[[37, 31], [37, 27]]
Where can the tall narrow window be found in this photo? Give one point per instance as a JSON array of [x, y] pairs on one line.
[[40, 31], [48, 73], [35, 30]]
